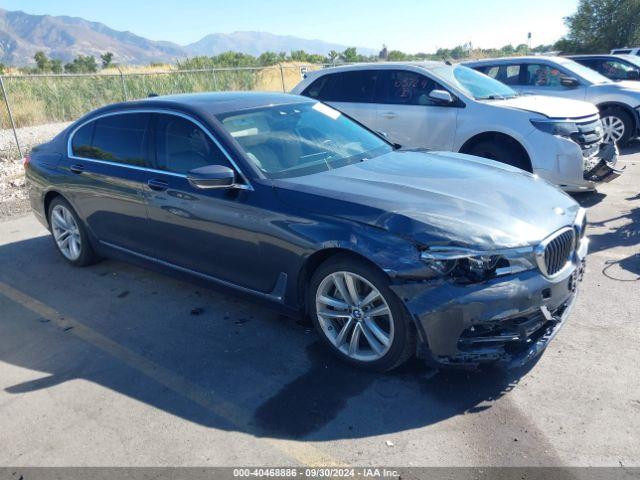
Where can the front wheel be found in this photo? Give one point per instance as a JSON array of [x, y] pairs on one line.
[[501, 151], [358, 316], [617, 125]]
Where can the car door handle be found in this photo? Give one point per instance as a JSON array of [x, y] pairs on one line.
[[157, 185], [77, 168], [389, 115]]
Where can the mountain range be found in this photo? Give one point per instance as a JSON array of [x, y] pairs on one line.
[[23, 34]]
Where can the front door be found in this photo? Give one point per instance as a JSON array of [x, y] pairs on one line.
[[410, 117], [208, 231], [542, 79]]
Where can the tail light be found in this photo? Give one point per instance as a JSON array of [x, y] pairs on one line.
[[26, 160]]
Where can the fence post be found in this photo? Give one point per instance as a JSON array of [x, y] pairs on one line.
[[13, 125], [124, 86], [282, 78]]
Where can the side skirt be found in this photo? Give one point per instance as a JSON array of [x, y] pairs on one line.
[[276, 295]]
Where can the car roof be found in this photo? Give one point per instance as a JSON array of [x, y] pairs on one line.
[[598, 55], [209, 103], [427, 64], [525, 59]]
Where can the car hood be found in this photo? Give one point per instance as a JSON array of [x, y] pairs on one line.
[[624, 87], [437, 198], [551, 107]]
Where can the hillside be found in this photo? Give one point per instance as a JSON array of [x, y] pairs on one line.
[[23, 34]]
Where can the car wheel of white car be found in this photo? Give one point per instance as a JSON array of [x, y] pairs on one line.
[[358, 316], [617, 125]]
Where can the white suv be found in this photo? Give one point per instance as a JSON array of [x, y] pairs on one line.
[[618, 102], [440, 106], [625, 51]]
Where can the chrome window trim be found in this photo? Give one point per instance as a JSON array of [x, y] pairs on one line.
[[246, 186]]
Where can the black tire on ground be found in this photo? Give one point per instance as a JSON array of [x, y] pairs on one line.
[[625, 118], [501, 151], [403, 344], [87, 255]]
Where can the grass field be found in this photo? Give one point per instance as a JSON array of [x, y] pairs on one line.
[[37, 99]]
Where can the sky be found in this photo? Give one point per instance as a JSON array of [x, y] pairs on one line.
[[408, 25]]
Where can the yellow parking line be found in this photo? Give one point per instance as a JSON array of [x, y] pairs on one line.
[[303, 453]]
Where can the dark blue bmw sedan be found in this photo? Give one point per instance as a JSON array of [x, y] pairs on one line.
[[391, 252]]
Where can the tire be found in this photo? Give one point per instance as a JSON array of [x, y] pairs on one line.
[[397, 327], [618, 126], [65, 224], [502, 152]]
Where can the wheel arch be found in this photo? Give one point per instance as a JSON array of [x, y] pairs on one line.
[[46, 201], [317, 258], [622, 106], [495, 136]]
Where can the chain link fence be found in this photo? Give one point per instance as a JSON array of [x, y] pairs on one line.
[[36, 106]]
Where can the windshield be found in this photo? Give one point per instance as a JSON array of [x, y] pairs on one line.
[[585, 72], [474, 83], [300, 139], [634, 59]]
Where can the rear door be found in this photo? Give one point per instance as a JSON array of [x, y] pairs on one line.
[[107, 164], [352, 92], [410, 117]]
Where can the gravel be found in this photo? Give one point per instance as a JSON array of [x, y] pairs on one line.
[[13, 193]]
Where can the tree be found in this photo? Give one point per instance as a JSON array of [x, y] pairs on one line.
[[397, 56], [268, 58], [82, 64], [55, 65], [332, 57], [107, 59], [601, 25], [42, 61], [350, 55]]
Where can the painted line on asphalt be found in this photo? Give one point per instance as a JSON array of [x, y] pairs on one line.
[[305, 454]]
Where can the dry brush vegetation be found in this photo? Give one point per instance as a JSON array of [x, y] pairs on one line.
[[40, 99]]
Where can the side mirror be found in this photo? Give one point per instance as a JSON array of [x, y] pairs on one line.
[[212, 176], [441, 96], [569, 82]]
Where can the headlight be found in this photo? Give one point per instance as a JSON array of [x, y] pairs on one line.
[[468, 265], [555, 127]]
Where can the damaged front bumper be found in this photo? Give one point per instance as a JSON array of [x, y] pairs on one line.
[[508, 320], [602, 167]]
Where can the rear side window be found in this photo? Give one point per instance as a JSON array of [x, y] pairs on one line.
[[623, 52], [182, 146], [120, 138], [410, 88], [357, 86]]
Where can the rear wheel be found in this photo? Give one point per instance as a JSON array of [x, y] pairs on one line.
[[69, 234], [358, 316], [501, 151], [617, 125]]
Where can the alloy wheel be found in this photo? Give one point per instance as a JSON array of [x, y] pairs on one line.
[[66, 232], [613, 129], [354, 316]]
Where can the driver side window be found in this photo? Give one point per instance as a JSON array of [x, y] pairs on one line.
[[182, 146], [410, 88], [537, 75]]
